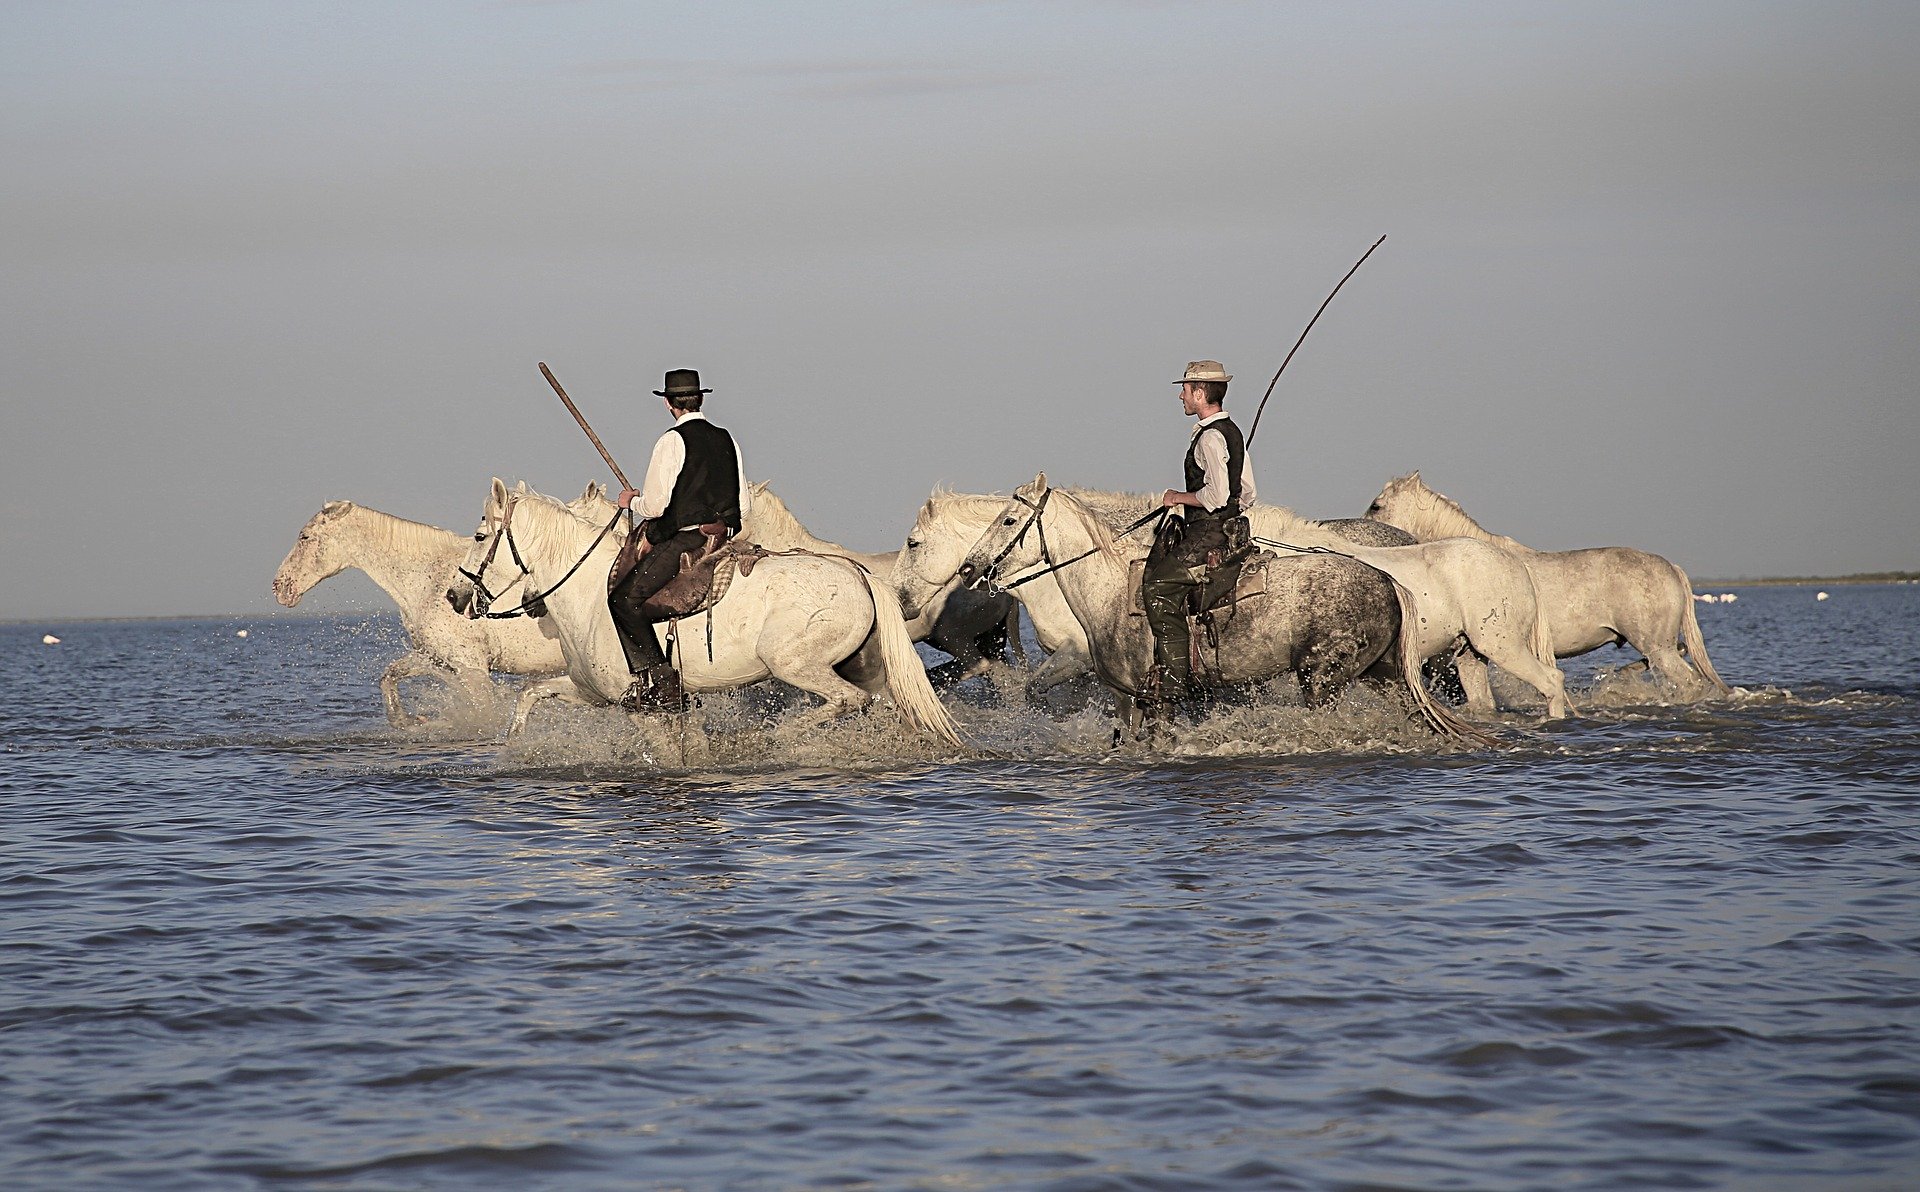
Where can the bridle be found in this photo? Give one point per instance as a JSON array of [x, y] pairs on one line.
[[988, 575], [535, 605]]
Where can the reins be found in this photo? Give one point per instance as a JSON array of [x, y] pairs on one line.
[[527, 606], [1046, 554]]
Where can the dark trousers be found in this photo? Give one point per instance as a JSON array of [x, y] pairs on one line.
[[1175, 567], [661, 564]]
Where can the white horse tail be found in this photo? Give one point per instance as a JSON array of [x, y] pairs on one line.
[[1441, 720], [906, 674], [1690, 634], [1542, 640]]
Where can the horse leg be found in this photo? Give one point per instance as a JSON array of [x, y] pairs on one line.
[[802, 659], [1068, 662], [408, 666], [1471, 666], [1518, 660], [561, 688], [1326, 669], [1670, 664]]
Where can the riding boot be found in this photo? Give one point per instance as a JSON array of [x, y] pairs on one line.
[[657, 689]]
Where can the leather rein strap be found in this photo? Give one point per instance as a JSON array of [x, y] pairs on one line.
[[1046, 555], [526, 606]]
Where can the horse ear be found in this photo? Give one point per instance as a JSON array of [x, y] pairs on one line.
[[336, 508], [758, 486], [1414, 475], [497, 497], [520, 486]]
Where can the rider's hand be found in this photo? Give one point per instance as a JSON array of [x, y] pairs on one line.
[[626, 497], [1174, 496]]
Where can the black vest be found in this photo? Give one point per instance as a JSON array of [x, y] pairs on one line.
[[1236, 463], [708, 487]]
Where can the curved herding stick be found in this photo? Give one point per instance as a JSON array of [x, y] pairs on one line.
[[1283, 364]]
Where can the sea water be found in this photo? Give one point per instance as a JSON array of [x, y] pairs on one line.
[[256, 937]]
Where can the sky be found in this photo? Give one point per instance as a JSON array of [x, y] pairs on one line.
[[1651, 277]]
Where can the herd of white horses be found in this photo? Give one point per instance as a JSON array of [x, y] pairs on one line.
[[1417, 581]]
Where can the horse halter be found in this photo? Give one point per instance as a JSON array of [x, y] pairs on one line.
[[484, 597], [988, 574], [535, 605]]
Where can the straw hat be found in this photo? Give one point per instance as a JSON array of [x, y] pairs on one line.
[[1204, 370]]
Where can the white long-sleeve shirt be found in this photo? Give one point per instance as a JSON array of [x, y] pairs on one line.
[[663, 469], [1212, 454]]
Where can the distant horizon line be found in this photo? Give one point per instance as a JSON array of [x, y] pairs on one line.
[[1858, 577]]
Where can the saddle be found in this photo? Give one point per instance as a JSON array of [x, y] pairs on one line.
[[704, 576], [1228, 584], [1211, 606]]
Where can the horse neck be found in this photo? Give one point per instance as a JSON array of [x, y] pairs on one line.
[[405, 558], [772, 525], [1442, 517], [1094, 582]]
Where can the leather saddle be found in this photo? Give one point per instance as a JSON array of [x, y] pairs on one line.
[[1228, 583], [704, 576]]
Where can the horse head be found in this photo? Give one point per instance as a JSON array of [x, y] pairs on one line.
[[1012, 542], [1399, 499], [316, 554], [933, 551], [471, 591]]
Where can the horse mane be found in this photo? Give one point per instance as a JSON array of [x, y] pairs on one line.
[[1440, 516], [771, 523], [392, 534]]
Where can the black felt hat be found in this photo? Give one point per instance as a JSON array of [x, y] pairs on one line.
[[681, 382]]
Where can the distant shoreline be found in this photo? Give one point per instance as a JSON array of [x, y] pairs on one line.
[[1868, 577]]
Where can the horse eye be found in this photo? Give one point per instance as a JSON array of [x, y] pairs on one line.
[[479, 535], [1008, 522], [913, 544]]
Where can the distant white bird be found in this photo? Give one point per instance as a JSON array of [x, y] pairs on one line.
[[1706, 597], [242, 633], [1819, 595], [49, 640], [1728, 597]]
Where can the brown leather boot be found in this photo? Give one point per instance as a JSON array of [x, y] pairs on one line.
[[656, 689]]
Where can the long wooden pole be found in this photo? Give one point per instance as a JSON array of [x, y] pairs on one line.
[[575, 411], [1296, 343]]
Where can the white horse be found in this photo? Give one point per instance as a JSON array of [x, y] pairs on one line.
[[1593, 597], [966, 624], [820, 624], [1327, 619], [413, 563], [1471, 603]]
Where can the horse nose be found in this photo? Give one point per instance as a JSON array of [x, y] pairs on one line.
[[967, 573], [457, 600]]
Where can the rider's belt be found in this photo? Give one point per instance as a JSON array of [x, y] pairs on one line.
[[1226, 512]]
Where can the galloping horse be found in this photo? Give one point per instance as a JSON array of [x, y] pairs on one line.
[[1054, 626], [413, 563], [1324, 617], [1593, 597], [821, 624]]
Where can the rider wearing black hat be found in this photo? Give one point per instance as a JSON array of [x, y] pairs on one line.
[[694, 479]]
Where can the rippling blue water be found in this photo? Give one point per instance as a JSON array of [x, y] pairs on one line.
[[254, 938]]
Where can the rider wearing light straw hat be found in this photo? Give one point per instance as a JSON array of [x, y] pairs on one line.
[[1219, 488]]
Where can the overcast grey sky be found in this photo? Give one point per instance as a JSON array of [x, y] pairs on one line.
[[1651, 277]]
